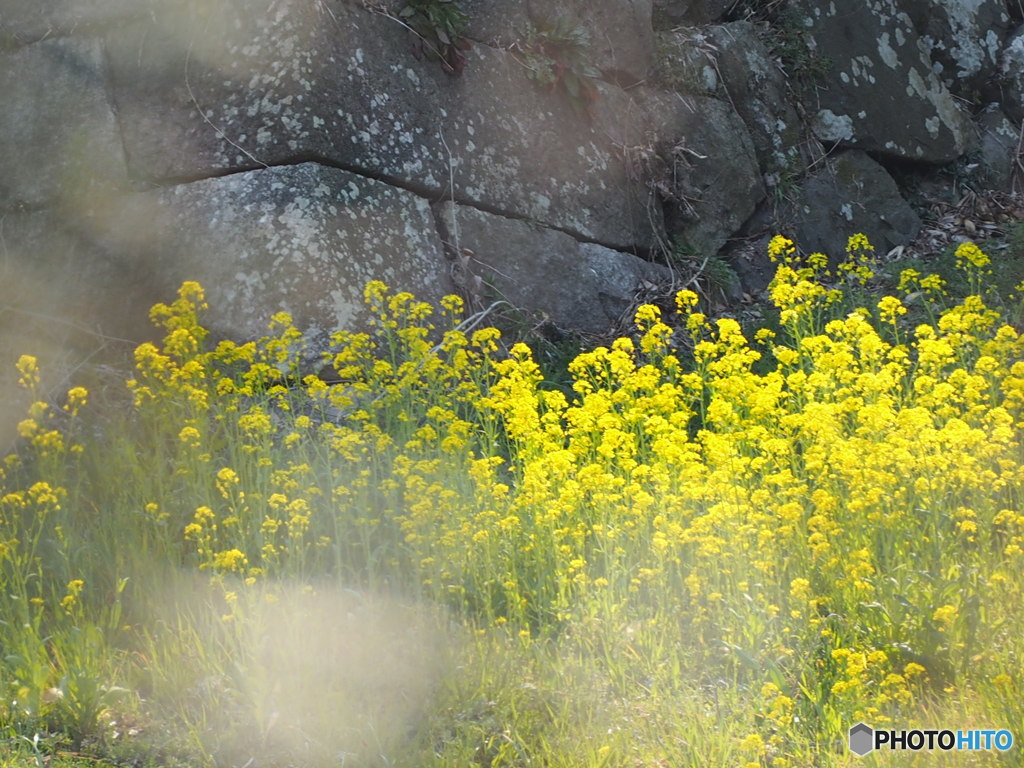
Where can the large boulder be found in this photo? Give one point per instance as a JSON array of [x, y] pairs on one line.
[[708, 168], [577, 286], [251, 88], [305, 239], [882, 95], [850, 194], [59, 139]]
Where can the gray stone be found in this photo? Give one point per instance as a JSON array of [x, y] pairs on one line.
[[709, 171], [882, 94], [344, 88], [963, 37], [64, 301], [58, 136], [304, 239], [757, 89], [523, 150], [1011, 71], [687, 61], [55, 270], [997, 148], [852, 194], [749, 260], [24, 22], [578, 286], [672, 13], [496, 22], [621, 33]]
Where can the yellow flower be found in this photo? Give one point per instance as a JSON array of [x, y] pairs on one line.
[[933, 284], [800, 589], [226, 478], [944, 616], [71, 598], [685, 301], [908, 278], [28, 367], [859, 242], [753, 743], [889, 308], [77, 397], [970, 255], [913, 669], [780, 248], [229, 560]]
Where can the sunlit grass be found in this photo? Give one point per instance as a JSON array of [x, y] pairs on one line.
[[723, 556]]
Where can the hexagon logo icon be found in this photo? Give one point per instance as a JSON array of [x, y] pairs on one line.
[[862, 739]]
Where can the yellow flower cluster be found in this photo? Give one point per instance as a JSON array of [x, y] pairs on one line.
[[828, 511]]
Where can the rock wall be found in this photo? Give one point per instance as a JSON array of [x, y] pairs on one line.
[[284, 152]]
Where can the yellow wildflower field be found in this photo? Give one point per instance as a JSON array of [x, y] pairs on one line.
[[708, 550]]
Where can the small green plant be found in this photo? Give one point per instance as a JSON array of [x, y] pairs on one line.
[[713, 273], [686, 62], [786, 37], [785, 185], [788, 41], [556, 53], [439, 26]]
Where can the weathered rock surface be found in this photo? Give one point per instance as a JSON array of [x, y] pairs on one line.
[[710, 173], [284, 152], [582, 286], [852, 194], [346, 90], [756, 87], [523, 150], [996, 153], [304, 239], [24, 22], [620, 31], [882, 94], [1011, 71], [687, 61], [963, 38], [497, 22], [58, 135], [671, 13], [55, 271], [67, 302]]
